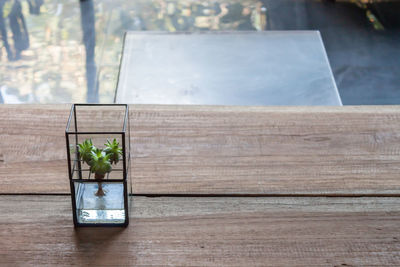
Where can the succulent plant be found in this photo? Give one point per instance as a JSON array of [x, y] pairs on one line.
[[113, 149], [100, 160], [85, 150], [100, 163]]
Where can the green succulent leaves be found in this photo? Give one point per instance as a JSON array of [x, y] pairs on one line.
[[113, 150], [100, 163], [100, 160], [85, 150]]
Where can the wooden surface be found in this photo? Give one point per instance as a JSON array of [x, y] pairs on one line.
[[37, 230], [219, 150], [193, 150]]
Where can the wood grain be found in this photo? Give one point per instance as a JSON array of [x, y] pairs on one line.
[[32, 149], [219, 150], [38, 230], [266, 150]]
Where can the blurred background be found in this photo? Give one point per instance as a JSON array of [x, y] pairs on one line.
[[63, 51]]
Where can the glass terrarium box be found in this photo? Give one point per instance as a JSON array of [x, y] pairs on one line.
[[98, 153]]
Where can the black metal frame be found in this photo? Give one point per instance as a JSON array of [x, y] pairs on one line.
[[125, 159]]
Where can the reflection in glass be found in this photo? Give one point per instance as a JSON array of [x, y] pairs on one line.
[[105, 209], [89, 40], [69, 51], [55, 51]]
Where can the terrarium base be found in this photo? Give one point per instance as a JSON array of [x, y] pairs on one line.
[[107, 209]]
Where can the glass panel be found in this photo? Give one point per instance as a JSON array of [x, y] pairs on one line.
[[94, 124], [100, 118], [269, 68], [54, 51], [68, 51], [99, 141], [92, 207]]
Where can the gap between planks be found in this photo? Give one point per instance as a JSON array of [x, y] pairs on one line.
[[188, 195]]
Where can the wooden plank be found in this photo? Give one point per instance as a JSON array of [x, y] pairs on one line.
[[266, 150], [32, 149], [219, 150], [38, 230]]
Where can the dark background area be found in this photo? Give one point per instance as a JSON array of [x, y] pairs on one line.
[[365, 61]]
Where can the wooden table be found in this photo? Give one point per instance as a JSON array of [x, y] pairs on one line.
[[240, 186]]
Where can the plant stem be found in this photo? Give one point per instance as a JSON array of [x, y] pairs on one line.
[[100, 191]]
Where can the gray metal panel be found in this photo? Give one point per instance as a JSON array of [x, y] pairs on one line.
[[235, 68]]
